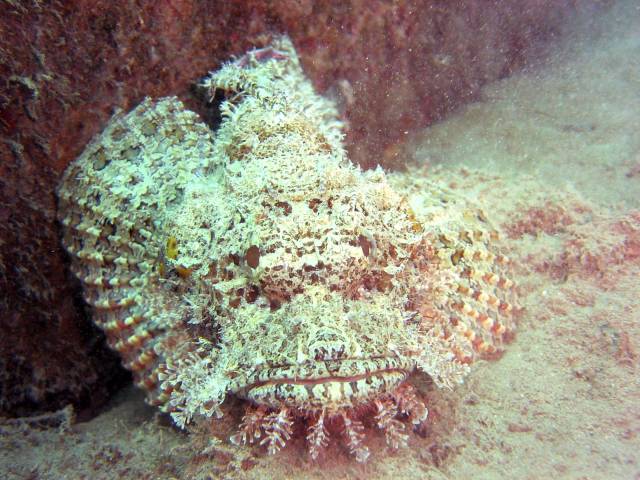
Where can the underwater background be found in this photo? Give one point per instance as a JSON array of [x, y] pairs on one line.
[[538, 128]]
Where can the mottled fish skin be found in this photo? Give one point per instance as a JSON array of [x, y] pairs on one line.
[[256, 261]]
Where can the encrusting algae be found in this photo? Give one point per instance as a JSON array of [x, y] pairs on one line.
[[256, 261]]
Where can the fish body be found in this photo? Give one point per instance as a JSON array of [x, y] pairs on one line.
[[257, 261]]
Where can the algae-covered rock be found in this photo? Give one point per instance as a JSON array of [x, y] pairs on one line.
[[256, 261]]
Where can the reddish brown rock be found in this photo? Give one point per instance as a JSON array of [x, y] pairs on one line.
[[67, 66]]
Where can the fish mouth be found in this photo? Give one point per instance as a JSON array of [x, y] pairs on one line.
[[325, 385], [330, 397]]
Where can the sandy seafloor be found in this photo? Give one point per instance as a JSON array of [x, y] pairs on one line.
[[553, 157]]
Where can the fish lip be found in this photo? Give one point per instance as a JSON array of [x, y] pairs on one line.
[[326, 369], [328, 379]]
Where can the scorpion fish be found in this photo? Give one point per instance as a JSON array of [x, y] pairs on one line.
[[253, 260]]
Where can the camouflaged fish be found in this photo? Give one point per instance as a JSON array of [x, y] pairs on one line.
[[255, 261]]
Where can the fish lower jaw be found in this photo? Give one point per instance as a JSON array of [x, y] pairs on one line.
[[326, 408]]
